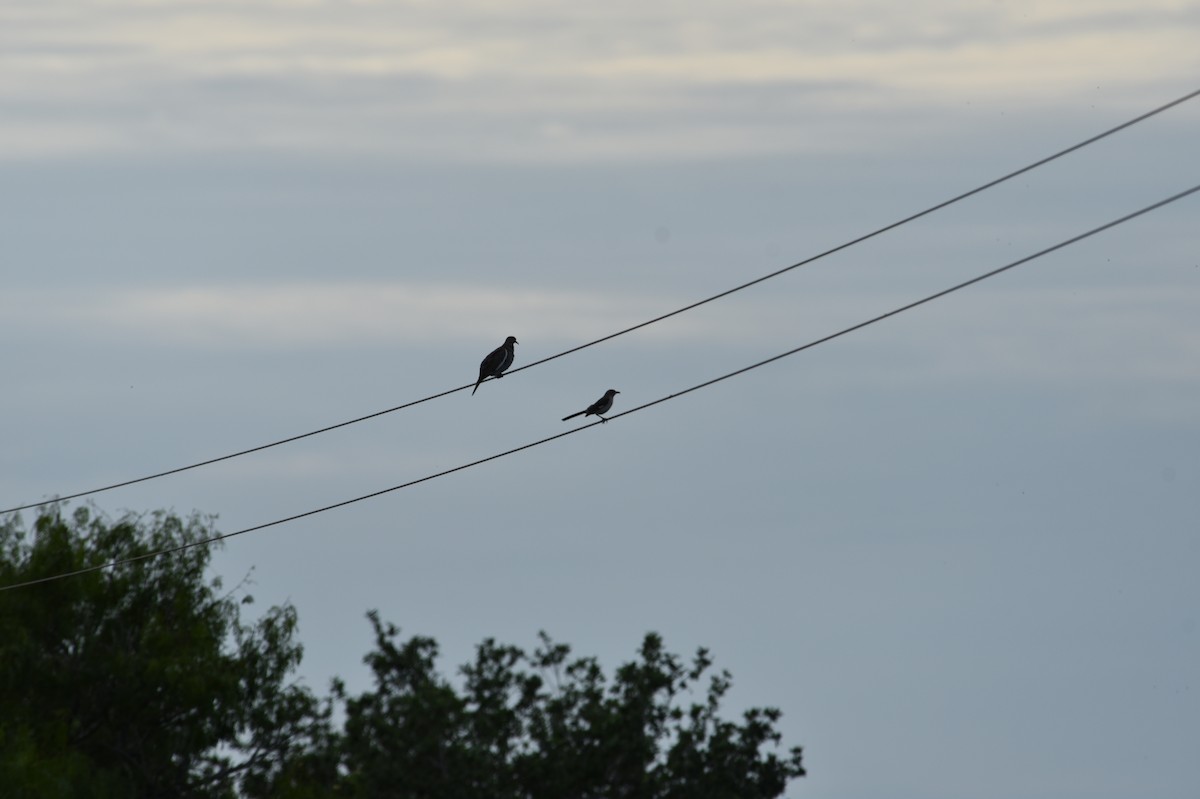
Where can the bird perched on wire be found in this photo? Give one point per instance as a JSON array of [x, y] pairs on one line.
[[496, 362], [597, 408]]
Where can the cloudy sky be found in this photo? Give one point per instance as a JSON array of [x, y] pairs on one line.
[[957, 548]]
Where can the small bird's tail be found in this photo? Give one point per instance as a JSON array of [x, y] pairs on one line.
[[572, 416], [477, 382]]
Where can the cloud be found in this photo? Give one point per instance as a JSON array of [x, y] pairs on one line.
[[993, 335], [529, 81], [343, 314]]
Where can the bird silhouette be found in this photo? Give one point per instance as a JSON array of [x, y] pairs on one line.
[[496, 362], [597, 408]]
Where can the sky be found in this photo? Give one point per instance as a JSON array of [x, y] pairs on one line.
[[956, 548]]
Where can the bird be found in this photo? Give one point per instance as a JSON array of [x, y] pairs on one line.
[[496, 362], [597, 408]]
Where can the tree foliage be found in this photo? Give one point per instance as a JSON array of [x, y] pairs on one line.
[[141, 680], [545, 724], [137, 680]]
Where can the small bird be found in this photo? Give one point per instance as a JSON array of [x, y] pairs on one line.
[[597, 408], [496, 362]]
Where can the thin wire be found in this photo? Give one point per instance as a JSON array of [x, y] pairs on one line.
[[652, 403], [726, 293], [878, 231]]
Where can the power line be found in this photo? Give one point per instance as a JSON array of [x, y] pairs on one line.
[[705, 301], [979, 278]]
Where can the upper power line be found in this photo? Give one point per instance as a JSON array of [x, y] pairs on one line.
[[737, 372], [878, 231]]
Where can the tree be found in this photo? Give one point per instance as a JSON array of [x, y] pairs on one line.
[[139, 680], [548, 725]]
